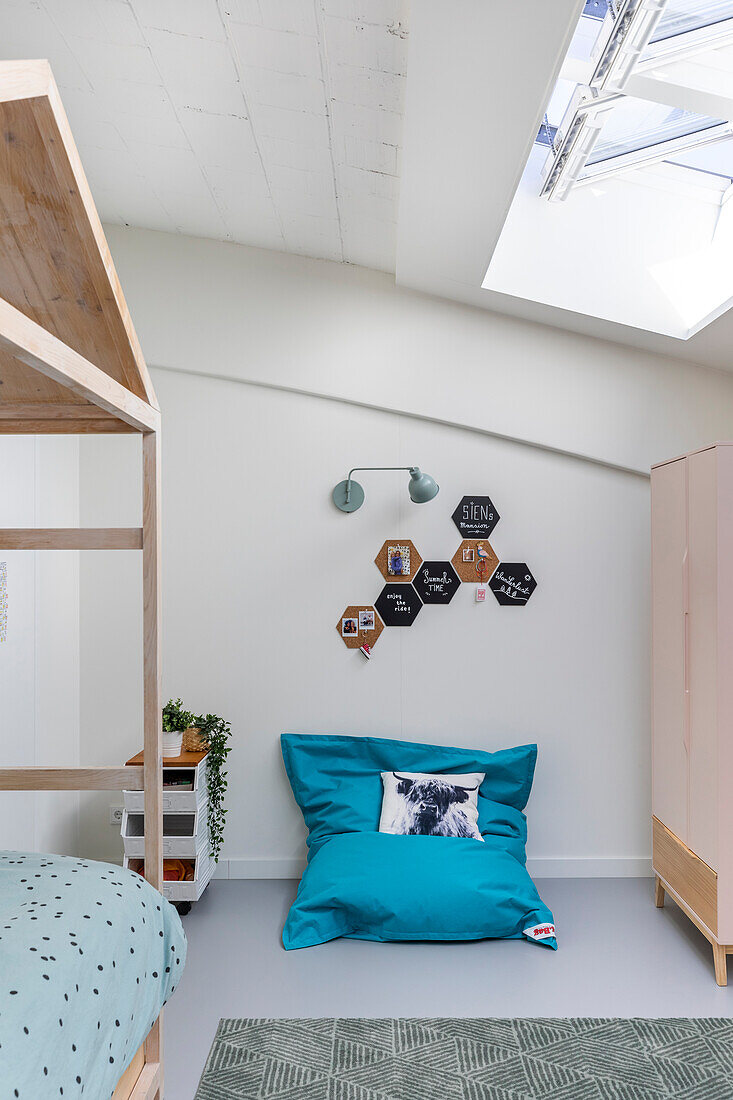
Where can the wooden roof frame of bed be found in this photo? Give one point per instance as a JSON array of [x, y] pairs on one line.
[[70, 362]]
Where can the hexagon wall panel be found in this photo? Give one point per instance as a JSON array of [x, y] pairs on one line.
[[436, 582], [398, 550], [512, 583], [474, 561], [398, 605], [354, 614], [476, 517]]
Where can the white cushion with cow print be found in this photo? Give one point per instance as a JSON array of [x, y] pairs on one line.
[[419, 804]]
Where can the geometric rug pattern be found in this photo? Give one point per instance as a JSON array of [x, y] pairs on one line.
[[470, 1059]]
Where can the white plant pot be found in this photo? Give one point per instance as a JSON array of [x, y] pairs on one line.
[[172, 743]]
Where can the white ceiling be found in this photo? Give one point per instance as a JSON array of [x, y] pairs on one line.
[[274, 123], [281, 124]]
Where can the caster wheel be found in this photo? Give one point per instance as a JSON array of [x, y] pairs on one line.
[[183, 907]]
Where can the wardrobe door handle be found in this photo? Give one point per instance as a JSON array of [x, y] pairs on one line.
[[686, 648]]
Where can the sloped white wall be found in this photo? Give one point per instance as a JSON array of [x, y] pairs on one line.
[[347, 333]]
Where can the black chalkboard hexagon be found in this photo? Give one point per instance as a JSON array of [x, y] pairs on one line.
[[476, 517], [512, 583], [398, 605], [436, 582]]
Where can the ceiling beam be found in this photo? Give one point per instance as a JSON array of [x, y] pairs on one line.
[[41, 418]]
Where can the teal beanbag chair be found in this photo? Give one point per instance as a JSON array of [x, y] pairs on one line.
[[364, 884]]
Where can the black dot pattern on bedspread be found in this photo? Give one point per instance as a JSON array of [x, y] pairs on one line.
[[76, 997]]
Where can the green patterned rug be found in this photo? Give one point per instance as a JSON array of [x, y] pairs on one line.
[[491, 1059]]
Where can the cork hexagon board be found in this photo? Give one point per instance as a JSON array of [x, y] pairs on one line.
[[398, 560], [353, 626], [474, 561]]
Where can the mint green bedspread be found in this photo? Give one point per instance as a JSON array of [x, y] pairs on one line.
[[89, 954]]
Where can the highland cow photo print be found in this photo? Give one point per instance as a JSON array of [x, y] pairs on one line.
[[418, 804]]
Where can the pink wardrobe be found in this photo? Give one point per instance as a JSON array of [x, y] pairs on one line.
[[692, 690]]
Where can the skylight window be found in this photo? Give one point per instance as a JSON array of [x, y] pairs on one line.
[[638, 140], [625, 33], [636, 126], [601, 136], [682, 16], [604, 130], [687, 26]]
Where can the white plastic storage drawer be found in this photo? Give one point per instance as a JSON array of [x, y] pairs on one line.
[[204, 868], [184, 835], [178, 798]]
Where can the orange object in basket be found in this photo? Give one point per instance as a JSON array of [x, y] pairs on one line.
[[173, 870]]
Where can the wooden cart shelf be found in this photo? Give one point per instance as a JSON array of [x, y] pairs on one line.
[[189, 843], [184, 760]]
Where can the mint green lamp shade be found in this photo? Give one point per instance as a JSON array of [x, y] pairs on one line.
[[422, 487]]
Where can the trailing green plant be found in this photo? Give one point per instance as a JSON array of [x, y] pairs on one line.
[[175, 718], [215, 733]]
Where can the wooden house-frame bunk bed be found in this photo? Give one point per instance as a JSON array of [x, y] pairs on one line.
[[70, 362]]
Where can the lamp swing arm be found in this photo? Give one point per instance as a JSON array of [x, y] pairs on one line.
[[362, 469], [348, 495]]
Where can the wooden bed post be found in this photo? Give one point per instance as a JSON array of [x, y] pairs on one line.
[[152, 699], [152, 702]]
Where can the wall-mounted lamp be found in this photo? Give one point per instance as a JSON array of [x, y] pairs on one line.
[[349, 495]]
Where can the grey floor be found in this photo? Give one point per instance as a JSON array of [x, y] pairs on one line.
[[618, 956]]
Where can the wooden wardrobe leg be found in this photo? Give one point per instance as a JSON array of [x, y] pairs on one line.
[[721, 966], [658, 893]]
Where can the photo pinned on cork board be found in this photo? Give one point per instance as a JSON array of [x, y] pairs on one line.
[[475, 561], [360, 626], [398, 560]]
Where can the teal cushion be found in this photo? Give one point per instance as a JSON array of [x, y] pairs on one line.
[[377, 886], [337, 781], [364, 884]]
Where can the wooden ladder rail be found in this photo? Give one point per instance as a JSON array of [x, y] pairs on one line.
[[71, 779], [71, 538]]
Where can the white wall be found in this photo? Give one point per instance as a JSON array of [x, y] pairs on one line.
[[111, 706], [39, 662], [259, 565], [281, 374]]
